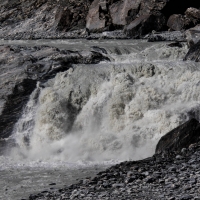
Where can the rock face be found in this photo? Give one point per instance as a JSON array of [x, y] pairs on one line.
[[23, 67], [180, 137]]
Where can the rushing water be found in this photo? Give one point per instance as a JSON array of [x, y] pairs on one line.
[[94, 115]]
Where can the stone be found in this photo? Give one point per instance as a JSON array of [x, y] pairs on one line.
[[176, 22], [180, 137]]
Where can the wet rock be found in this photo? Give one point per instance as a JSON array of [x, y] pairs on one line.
[[175, 44], [180, 137], [194, 53], [193, 35]]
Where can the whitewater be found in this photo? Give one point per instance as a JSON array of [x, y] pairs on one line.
[[93, 116]]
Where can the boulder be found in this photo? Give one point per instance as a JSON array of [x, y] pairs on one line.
[[123, 12], [176, 22], [94, 23], [193, 53], [181, 137], [143, 25]]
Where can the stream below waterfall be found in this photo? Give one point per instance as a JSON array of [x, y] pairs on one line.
[[93, 116]]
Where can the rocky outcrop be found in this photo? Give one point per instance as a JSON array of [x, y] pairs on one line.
[[23, 67], [180, 137]]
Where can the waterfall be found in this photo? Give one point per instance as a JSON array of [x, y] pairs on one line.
[[111, 111]]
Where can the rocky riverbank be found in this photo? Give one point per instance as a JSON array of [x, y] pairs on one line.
[[38, 19], [169, 174]]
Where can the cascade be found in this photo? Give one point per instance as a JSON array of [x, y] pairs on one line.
[[113, 110]]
